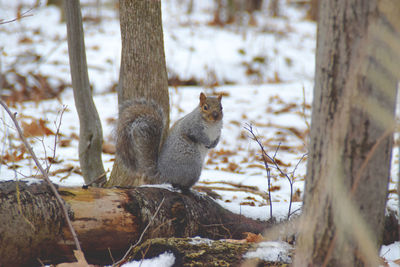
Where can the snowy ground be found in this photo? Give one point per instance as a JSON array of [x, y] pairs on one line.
[[265, 72]]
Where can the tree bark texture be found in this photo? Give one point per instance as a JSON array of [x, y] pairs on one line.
[[90, 131], [357, 72], [143, 72], [106, 221]]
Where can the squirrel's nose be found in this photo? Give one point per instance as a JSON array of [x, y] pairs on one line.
[[215, 115]]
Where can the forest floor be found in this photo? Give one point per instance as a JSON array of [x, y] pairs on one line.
[[263, 66]]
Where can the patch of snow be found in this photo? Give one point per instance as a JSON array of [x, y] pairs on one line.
[[391, 253], [199, 240], [166, 259], [272, 251], [163, 186]]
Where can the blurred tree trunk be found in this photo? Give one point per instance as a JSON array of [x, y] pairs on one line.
[[230, 11], [273, 8], [90, 131], [357, 73], [143, 71]]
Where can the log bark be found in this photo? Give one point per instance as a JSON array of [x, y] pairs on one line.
[[107, 221]]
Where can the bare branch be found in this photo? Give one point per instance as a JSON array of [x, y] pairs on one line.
[[21, 16], [276, 165], [255, 138], [56, 137], [44, 173], [123, 260]]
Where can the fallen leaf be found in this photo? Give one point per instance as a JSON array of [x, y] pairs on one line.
[[65, 142], [233, 166], [253, 238], [248, 203], [69, 168], [36, 128], [275, 188], [53, 160], [109, 148]]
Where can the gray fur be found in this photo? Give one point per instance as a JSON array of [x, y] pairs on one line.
[[181, 157], [183, 153]]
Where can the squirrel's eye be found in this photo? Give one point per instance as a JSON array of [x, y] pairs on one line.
[[205, 107]]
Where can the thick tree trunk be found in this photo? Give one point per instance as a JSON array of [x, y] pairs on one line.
[[143, 69], [106, 221], [357, 71], [90, 131]]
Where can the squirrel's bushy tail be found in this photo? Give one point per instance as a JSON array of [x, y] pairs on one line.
[[139, 132]]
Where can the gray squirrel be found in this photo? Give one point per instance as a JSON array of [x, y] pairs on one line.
[[179, 160]]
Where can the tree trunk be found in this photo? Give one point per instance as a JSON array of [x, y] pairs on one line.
[[357, 71], [106, 221], [143, 71], [90, 131]]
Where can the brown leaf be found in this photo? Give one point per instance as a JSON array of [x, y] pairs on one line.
[[36, 128], [297, 196], [233, 166], [248, 203], [224, 152], [253, 238], [65, 142], [25, 40], [74, 136], [109, 148], [286, 108], [14, 157], [275, 188], [69, 168], [53, 160], [259, 166]]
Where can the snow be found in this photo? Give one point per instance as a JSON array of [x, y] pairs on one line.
[[166, 259], [278, 51], [271, 251], [391, 253], [197, 240]]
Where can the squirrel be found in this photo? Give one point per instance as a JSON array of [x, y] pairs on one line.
[[179, 160]]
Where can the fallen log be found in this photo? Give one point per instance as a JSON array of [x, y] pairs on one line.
[[107, 221]]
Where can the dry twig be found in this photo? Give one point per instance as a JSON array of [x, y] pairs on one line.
[[44, 173], [272, 159], [22, 15], [123, 260], [264, 154]]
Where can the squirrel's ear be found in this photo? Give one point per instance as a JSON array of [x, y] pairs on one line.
[[202, 98], [219, 97]]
